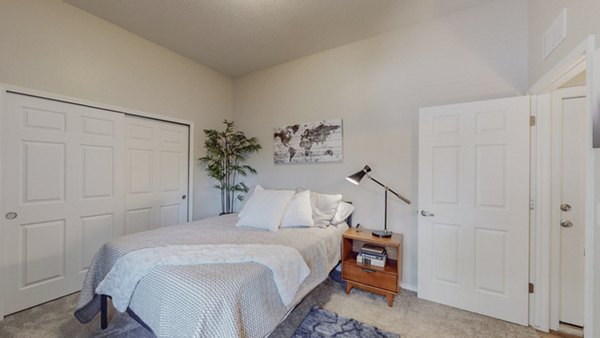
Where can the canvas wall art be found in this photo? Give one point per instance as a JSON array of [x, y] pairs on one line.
[[309, 142]]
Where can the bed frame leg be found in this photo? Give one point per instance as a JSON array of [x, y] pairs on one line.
[[103, 312]]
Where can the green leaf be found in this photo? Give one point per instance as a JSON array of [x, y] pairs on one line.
[[226, 150]]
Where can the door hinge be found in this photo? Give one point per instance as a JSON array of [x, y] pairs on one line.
[[531, 205], [532, 121], [531, 287]]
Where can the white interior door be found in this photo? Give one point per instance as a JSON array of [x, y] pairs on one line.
[[156, 174], [61, 194], [474, 206], [569, 120]]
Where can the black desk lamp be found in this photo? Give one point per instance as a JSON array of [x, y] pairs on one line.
[[357, 177]]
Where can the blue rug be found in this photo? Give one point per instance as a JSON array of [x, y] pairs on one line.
[[320, 323]]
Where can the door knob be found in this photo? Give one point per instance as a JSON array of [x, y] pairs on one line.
[[565, 207], [426, 213], [183, 197], [11, 215], [566, 223]]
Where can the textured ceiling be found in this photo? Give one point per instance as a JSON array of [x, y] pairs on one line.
[[236, 37]]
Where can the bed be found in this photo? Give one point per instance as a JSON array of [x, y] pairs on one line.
[[212, 300]]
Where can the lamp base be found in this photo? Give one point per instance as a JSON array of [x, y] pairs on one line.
[[382, 233]]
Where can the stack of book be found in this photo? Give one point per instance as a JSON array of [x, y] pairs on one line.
[[372, 255]]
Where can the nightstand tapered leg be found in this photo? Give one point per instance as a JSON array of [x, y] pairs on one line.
[[348, 287], [390, 299]]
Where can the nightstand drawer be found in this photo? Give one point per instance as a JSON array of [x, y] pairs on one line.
[[370, 277]]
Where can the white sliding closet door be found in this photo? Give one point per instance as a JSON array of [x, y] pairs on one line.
[[156, 173], [62, 195]]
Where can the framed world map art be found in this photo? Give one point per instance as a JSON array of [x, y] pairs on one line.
[[308, 142]]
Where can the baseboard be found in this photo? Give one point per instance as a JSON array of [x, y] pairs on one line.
[[408, 287]]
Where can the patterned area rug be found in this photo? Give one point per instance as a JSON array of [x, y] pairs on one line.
[[320, 323]]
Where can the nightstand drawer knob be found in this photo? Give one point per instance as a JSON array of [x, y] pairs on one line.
[[368, 270]]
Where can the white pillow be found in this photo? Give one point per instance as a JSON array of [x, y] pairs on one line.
[[324, 207], [343, 211], [299, 211], [248, 197], [265, 209]]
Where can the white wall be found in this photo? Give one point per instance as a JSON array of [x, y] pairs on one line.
[[582, 21], [51, 46], [377, 86]]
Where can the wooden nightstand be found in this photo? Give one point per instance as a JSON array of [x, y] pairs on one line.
[[382, 281]]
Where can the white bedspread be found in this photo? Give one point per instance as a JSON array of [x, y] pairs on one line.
[[288, 266], [212, 300]]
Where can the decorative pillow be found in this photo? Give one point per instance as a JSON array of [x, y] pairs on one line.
[[299, 211], [343, 211], [248, 197], [265, 209], [324, 207]]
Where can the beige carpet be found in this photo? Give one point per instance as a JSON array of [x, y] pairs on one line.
[[410, 317]]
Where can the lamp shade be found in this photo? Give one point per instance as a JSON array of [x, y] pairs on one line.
[[358, 176]]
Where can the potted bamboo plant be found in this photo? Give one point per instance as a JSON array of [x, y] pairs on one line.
[[226, 153]]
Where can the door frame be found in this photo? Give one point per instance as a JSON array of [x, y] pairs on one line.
[[8, 88], [555, 251], [581, 58]]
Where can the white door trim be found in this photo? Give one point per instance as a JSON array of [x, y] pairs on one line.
[[4, 88], [3, 281], [540, 217], [579, 59], [69, 99]]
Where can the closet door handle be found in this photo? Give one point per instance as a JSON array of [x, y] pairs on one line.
[[183, 197]]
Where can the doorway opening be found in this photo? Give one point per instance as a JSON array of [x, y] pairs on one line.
[[562, 195], [567, 228]]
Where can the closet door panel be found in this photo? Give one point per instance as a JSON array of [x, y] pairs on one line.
[[35, 201], [61, 178], [140, 199], [173, 166], [157, 172], [98, 169]]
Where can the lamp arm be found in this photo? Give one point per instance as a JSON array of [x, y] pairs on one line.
[[404, 199]]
